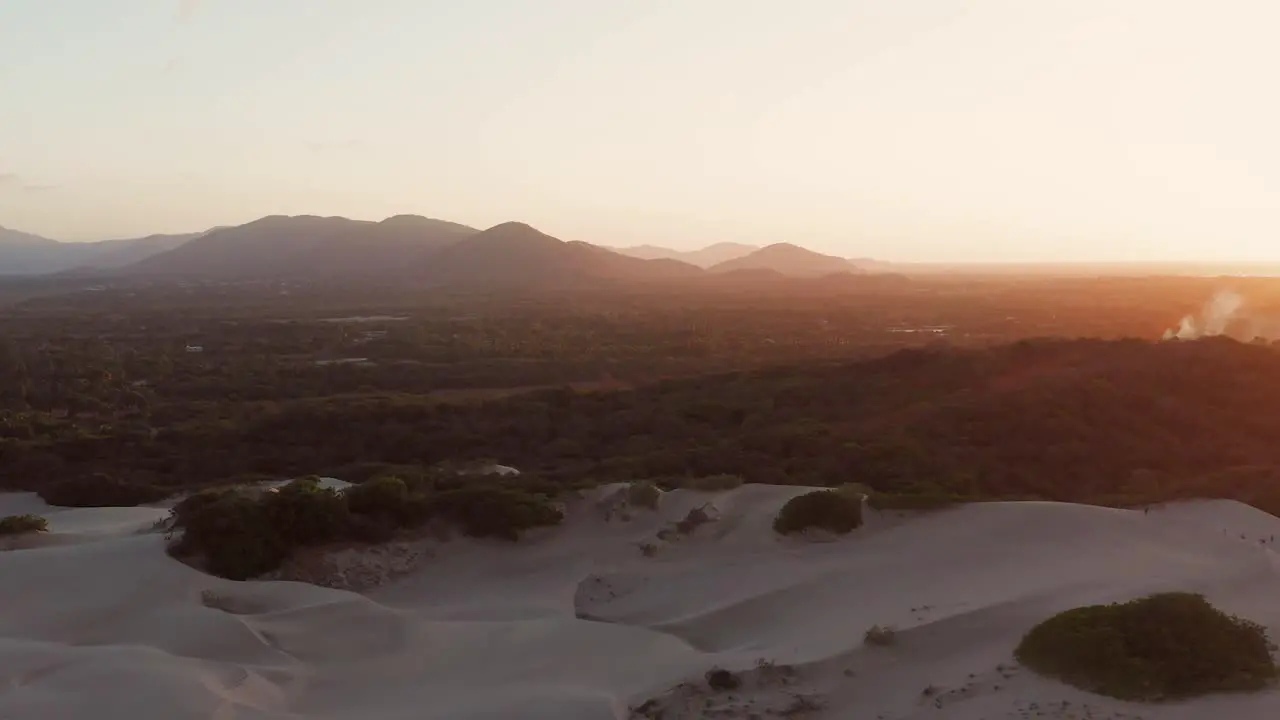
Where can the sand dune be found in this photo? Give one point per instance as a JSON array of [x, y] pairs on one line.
[[617, 615]]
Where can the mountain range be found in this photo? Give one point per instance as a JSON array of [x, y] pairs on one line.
[[405, 248], [704, 258], [783, 258]]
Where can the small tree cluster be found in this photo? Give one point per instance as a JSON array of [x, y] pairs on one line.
[[19, 524], [241, 535], [494, 511], [1165, 646], [829, 510]]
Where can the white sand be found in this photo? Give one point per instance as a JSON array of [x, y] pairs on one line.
[[577, 622]]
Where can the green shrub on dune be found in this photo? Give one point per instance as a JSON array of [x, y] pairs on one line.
[[20, 524], [239, 533], [1166, 646], [495, 512], [643, 494], [232, 531], [829, 510], [306, 513]]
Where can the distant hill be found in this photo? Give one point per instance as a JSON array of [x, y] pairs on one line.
[[790, 260], [26, 254], [704, 258], [120, 253], [514, 254], [307, 246], [872, 265]]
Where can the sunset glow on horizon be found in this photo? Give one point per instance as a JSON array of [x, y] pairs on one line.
[[912, 130]]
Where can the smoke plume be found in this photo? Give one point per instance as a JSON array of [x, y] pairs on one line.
[[1214, 318]]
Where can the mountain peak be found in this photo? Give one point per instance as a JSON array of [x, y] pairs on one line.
[[515, 234], [788, 259], [785, 248], [515, 254], [513, 227]]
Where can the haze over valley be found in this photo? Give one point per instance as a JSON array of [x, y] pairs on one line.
[[411, 248]]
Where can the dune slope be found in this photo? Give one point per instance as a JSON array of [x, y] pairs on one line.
[[618, 614]]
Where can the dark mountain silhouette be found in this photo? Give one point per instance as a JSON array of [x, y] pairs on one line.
[[307, 246], [790, 260], [403, 248], [26, 254], [514, 254], [704, 258]]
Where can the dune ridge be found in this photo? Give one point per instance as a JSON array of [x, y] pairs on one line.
[[617, 615]]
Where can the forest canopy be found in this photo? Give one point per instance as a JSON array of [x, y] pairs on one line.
[[119, 402]]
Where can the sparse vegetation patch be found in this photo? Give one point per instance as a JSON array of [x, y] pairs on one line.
[[880, 635], [694, 519]]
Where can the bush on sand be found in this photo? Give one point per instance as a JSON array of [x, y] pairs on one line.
[[241, 534], [829, 510], [20, 524], [1165, 646], [643, 494]]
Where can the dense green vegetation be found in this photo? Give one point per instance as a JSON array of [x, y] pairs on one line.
[[1118, 423], [239, 533], [19, 524], [830, 510], [1160, 647], [1090, 421], [101, 403], [100, 490]]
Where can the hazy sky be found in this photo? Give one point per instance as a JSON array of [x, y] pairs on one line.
[[900, 129]]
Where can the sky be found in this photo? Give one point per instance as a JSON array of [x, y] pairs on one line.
[[925, 130]]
